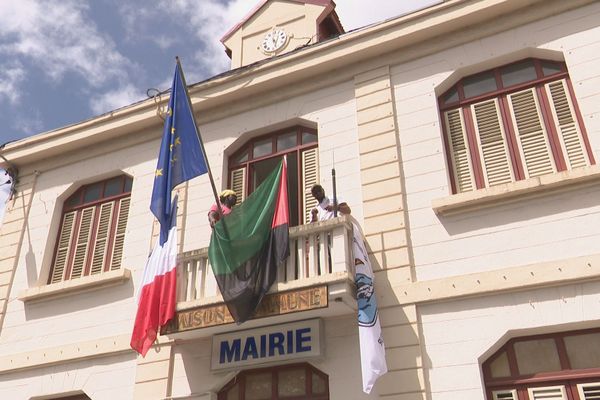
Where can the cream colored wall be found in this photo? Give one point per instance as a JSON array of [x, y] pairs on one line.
[[555, 226], [460, 335], [109, 378], [192, 375], [84, 316]]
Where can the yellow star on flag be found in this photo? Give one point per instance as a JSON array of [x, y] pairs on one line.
[[159, 172]]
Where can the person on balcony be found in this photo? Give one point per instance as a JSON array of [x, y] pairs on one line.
[[325, 209], [227, 199]]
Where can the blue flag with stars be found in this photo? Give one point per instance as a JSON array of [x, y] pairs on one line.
[[181, 157]]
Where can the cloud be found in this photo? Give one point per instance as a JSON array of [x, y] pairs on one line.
[[59, 39], [202, 24], [116, 98], [10, 78], [27, 124]]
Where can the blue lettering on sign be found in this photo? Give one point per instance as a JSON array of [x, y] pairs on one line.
[[232, 352], [266, 345], [276, 342], [250, 349], [301, 337]]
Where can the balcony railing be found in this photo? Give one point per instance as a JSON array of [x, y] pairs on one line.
[[319, 253]]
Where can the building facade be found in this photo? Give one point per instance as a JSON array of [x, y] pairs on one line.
[[464, 137]]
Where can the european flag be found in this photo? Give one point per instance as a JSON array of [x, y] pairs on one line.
[[181, 157]]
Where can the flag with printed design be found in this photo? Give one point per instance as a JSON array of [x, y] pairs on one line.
[[249, 244]]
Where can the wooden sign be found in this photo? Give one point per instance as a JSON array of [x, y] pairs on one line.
[[273, 304]]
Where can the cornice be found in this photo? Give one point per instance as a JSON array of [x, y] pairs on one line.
[[331, 58]]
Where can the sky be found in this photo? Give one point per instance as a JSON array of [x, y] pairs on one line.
[[65, 61]]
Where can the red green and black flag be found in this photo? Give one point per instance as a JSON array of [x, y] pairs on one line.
[[249, 244]]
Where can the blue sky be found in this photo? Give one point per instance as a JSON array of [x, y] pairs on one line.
[[65, 61]]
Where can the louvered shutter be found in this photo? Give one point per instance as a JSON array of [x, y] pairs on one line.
[[83, 242], [64, 245], [459, 151], [102, 232], [238, 183], [547, 393], [310, 177], [505, 395], [492, 143], [117, 254], [589, 391], [531, 134], [567, 125]]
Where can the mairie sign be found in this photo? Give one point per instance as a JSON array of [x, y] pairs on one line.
[[267, 344]]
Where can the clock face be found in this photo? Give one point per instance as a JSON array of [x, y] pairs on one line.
[[274, 40]]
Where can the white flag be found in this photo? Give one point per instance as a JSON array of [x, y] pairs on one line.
[[6, 184], [372, 348]]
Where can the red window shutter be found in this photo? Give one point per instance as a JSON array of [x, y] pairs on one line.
[[238, 183], [567, 125], [505, 395], [117, 254], [101, 245], [310, 177], [547, 393], [492, 143], [589, 391], [459, 151], [64, 245], [531, 133], [82, 244]]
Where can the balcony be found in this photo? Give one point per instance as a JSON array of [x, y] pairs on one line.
[[316, 281]]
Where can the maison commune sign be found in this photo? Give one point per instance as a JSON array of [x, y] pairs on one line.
[[289, 341], [272, 304]]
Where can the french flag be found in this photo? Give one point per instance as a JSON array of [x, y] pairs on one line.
[[181, 157], [157, 298]]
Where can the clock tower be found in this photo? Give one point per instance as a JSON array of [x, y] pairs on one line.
[[276, 27]]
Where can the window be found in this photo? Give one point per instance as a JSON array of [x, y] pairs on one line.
[[289, 382], [560, 366], [92, 231], [511, 123], [250, 165]]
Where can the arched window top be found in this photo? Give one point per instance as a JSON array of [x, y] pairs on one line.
[[293, 381], [549, 355], [511, 123], [99, 191], [276, 143], [92, 232], [506, 78], [253, 162]]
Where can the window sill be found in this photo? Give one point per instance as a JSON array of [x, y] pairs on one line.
[[87, 283], [514, 191]]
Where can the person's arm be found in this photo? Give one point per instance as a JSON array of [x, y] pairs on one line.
[[314, 213], [344, 208], [213, 218]]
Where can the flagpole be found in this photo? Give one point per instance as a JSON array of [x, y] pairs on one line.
[[212, 182], [335, 201]]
